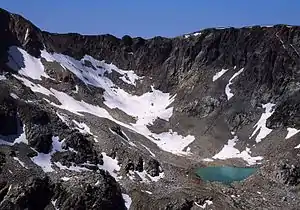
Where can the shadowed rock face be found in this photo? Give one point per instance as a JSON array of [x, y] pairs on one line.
[[8, 117], [181, 65]]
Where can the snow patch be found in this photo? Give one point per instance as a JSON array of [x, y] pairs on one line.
[[110, 165], [219, 74], [13, 95], [145, 177], [260, 126], [228, 92], [172, 142], [65, 178], [229, 151], [27, 65], [54, 203], [127, 200], [291, 132], [44, 160], [146, 191], [197, 34], [22, 137], [208, 160], [2, 77], [82, 127], [194, 34], [297, 147], [206, 203], [146, 107]]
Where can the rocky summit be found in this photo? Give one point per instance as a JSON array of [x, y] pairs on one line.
[[98, 122]]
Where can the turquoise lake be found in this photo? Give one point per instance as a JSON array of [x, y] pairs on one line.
[[224, 174]]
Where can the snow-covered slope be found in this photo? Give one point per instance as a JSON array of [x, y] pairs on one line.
[[145, 108]]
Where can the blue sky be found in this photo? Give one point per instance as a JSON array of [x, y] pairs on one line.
[[150, 18]]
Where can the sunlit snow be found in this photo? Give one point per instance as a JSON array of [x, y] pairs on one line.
[[54, 203], [219, 74], [291, 132], [34, 87], [229, 151], [44, 160], [27, 65], [260, 126], [82, 127], [65, 178], [13, 95], [127, 200], [110, 165], [145, 108], [2, 77], [194, 34], [148, 192], [144, 176], [90, 75], [206, 203], [228, 92]]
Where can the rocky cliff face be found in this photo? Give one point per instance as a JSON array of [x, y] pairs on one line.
[[98, 122]]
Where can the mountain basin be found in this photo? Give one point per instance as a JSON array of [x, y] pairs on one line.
[[224, 174]]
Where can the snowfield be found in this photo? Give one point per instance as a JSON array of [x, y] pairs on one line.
[[145, 108]]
